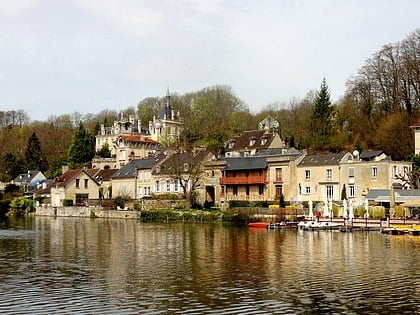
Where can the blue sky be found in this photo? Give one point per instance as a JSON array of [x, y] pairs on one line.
[[60, 57]]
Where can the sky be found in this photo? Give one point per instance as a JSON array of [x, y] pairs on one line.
[[60, 57]]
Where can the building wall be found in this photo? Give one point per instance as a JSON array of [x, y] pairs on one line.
[[125, 187]]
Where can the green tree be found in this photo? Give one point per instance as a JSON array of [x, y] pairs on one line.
[[82, 149], [34, 158], [21, 206], [104, 152], [321, 117]]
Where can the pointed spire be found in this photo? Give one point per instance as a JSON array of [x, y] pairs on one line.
[[168, 98]]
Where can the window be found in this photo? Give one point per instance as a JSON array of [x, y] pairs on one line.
[[330, 191], [222, 192], [81, 198], [279, 190], [351, 173], [157, 186], [261, 190], [307, 174], [329, 174], [86, 183], [77, 183], [251, 141], [308, 190], [352, 191], [176, 185], [279, 174], [147, 191], [263, 140], [374, 172], [235, 190], [168, 185]]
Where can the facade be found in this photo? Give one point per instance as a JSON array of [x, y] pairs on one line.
[[77, 185], [132, 179], [260, 177], [323, 177], [167, 126], [181, 170]]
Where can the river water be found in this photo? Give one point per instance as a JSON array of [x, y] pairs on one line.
[[92, 266]]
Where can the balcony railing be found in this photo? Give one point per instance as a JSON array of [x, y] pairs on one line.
[[242, 180]]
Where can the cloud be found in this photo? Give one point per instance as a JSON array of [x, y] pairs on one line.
[[130, 17], [13, 8]]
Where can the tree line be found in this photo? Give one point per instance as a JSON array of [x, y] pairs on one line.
[[380, 103]]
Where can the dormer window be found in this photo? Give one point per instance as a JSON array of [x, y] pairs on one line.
[[263, 140], [157, 169], [252, 141], [186, 167], [231, 144]]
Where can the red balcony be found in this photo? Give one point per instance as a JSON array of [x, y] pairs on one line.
[[243, 180]]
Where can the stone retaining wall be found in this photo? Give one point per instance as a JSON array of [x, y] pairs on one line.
[[86, 212]]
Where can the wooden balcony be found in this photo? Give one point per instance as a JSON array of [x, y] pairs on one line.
[[243, 180]]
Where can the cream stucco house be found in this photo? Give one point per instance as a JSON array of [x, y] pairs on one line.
[[77, 185]]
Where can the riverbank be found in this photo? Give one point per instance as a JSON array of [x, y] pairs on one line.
[[86, 212]]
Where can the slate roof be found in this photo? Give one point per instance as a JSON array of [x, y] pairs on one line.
[[26, 178], [130, 169], [245, 163], [368, 155], [278, 152], [178, 160], [322, 159]]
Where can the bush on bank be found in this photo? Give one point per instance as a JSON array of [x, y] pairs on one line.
[[193, 216]]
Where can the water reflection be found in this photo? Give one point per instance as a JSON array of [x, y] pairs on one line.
[[89, 266]]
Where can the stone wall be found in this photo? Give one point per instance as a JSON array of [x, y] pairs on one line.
[[158, 204], [86, 212]]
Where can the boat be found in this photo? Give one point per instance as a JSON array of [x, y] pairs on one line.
[[261, 225], [312, 225]]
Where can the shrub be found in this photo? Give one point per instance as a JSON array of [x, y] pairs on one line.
[[136, 205], [238, 203], [68, 202], [21, 206]]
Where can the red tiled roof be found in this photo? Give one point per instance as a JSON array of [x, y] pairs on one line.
[[243, 141], [64, 179], [137, 138]]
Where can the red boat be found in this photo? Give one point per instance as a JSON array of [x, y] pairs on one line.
[[262, 225]]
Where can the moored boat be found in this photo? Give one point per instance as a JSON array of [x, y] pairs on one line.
[[262, 225]]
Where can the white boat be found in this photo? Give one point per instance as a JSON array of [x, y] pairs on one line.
[[308, 225]]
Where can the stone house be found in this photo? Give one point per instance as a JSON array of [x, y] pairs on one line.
[[250, 142], [260, 177], [182, 169], [77, 185], [133, 179], [322, 177], [126, 139]]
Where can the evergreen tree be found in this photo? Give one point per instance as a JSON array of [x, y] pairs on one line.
[[82, 149], [104, 152], [321, 117], [34, 159]]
